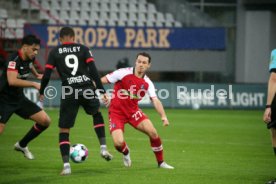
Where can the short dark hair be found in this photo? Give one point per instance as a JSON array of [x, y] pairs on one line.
[[144, 54], [66, 31], [30, 40]]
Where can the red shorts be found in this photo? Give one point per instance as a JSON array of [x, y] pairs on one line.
[[118, 121]]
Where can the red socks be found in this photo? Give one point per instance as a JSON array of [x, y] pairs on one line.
[[157, 148], [123, 149]]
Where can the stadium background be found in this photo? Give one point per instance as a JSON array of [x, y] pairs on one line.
[[198, 41], [205, 146]]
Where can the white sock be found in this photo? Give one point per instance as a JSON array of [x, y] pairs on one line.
[[66, 164], [103, 147]]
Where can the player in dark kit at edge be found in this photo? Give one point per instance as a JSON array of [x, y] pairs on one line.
[[76, 67], [12, 98]]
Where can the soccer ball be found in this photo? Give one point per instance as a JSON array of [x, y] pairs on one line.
[[78, 153]]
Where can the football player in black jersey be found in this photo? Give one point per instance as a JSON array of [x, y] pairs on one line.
[[12, 99], [76, 67]]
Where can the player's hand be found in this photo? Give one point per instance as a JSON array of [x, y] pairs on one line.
[[36, 85], [267, 115], [165, 121], [39, 76], [105, 100]]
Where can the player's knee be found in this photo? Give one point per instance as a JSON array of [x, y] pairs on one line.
[[45, 120]]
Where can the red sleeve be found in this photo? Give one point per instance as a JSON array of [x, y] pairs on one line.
[[90, 60], [49, 66]]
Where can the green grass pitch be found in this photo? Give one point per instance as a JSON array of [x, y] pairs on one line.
[[204, 146]]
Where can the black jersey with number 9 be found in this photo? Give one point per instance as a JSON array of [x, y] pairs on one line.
[[71, 60]]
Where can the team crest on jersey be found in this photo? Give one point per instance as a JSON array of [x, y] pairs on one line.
[[112, 126], [12, 65]]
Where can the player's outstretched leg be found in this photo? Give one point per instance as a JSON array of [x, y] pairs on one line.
[[147, 127], [157, 149], [32, 134], [42, 122], [123, 148], [100, 131]]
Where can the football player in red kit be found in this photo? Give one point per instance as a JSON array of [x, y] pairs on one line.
[[131, 85]]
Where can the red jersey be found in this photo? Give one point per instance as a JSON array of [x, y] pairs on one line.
[[128, 90]]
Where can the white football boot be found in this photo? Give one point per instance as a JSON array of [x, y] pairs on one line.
[[25, 151], [127, 160], [164, 165], [106, 155], [66, 170]]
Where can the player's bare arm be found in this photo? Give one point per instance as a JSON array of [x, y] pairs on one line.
[[14, 81], [105, 98], [104, 80], [35, 73], [160, 109]]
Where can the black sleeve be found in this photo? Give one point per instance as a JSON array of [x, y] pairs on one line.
[[95, 76], [45, 80], [273, 70], [2, 61], [50, 65]]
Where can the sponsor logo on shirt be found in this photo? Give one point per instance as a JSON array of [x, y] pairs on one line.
[[112, 126], [12, 65]]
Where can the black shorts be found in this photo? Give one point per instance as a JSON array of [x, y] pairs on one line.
[[23, 108], [273, 111], [69, 109]]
